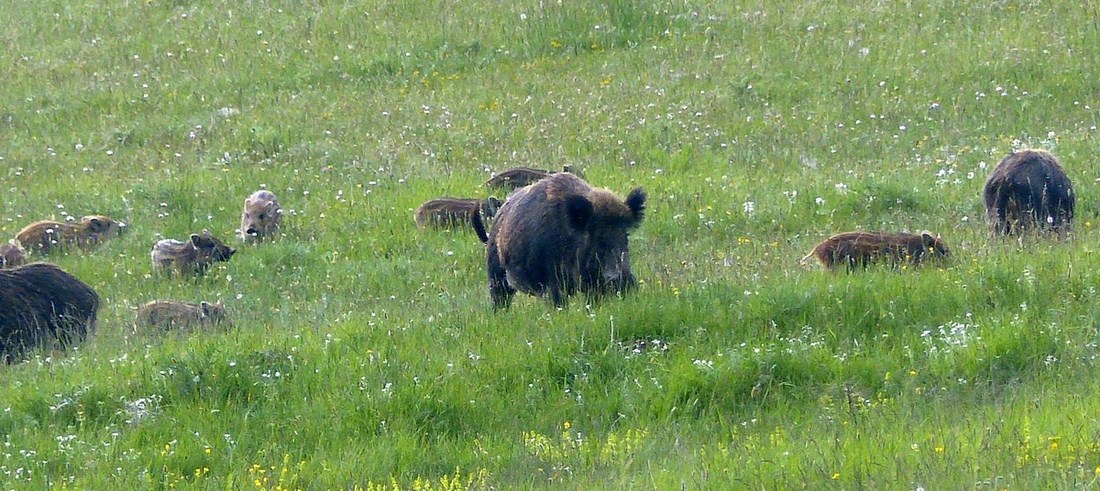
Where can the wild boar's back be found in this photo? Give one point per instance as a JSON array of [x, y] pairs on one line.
[[41, 304]]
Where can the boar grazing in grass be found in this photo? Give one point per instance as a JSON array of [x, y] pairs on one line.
[[560, 236], [47, 236], [857, 250], [518, 177], [193, 256], [166, 315], [12, 255], [43, 306], [455, 212], [1029, 192], [261, 216]]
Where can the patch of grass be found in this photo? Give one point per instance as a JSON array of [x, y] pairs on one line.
[[364, 353]]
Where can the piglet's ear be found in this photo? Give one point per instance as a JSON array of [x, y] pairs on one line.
[[205, 308], [927, 238], [636, 202], [579, 211], [96, 225], [196, 240]]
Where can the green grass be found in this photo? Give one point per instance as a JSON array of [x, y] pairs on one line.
[[364, 353]]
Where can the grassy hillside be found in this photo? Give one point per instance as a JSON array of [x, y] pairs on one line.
[[365, 354]]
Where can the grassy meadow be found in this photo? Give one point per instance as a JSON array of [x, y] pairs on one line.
[[364, 353]]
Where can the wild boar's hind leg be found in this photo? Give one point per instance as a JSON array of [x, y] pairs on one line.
[[499, 289]]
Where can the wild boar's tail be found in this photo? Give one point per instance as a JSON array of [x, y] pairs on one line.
[[479, 226]]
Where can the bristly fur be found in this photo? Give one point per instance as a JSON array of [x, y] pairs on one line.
[[518, 177], [42, 305], [12, 255], [450, 212], [171, 314], [560, 236], [47, 236], [857, 250], [1029, 191], [193, 256]]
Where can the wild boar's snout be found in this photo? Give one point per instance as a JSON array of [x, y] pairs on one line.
[[616, 272], [261, 216]]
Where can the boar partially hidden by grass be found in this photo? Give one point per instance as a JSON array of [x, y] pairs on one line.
[[455, 212], [261, 217], [857, 250], [1029, 191], [518, 177], [47, 236], [12, 255], [193, 256], [168, 315], [41, 305], [560, 236]]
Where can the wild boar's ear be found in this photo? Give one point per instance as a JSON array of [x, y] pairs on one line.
[[205, 308], [927, 238], [636, 202], [96, 225], [579, 211], [196, 240]]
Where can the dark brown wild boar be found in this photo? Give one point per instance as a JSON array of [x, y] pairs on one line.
[[261, 217], [47, 236], [1029, 191], [168, 315], [43, 306], [560, 236], [860, 249], [12, 255], [518, 177], [194, 256], [454, 212]]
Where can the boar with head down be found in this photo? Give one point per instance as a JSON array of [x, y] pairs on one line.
[[857, 250], [43, 306], [193, 256], [1028, 192], [46, 236], [166, 315], [560, 236], [261, 216]]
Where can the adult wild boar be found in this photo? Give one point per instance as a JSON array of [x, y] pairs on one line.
[[12, 255], [261, 217], [1029, 191], [860, 249], [41, 305], [560, 236], [171, 314], [47, 236], [193, 256]]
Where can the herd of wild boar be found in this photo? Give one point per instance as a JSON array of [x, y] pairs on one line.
[[554, 236]]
